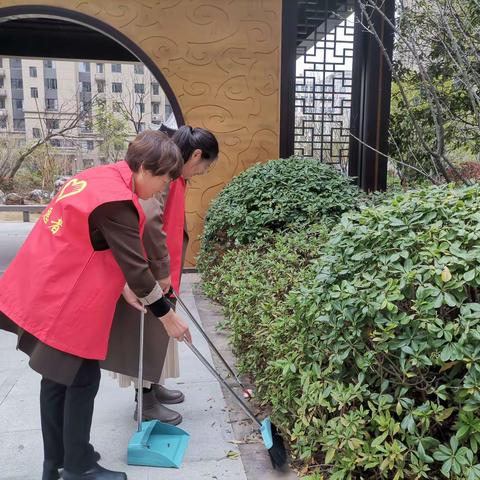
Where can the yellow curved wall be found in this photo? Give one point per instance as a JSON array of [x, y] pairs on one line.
[[222, 60]]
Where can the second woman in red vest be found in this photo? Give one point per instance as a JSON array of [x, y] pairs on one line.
[[165, 240]]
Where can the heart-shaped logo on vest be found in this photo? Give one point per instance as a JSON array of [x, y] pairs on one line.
[[72, 187]]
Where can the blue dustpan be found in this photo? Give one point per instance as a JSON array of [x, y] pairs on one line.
[[158, 445], [154, 444]]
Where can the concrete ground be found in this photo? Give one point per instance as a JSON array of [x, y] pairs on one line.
[[218, 430]]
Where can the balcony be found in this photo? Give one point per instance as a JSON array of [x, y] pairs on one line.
[[157, 117], [3, 112], [100, 77], [3, 92]]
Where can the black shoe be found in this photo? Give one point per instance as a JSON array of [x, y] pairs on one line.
[[95, 473], [50, 472], [96, 457]]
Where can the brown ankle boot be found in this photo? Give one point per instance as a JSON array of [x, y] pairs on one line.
[[152, 410], [169, 397]]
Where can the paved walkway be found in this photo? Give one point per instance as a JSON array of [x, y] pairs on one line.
[[206, 418]]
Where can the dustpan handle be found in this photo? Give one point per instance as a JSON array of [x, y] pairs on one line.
[[140, 374], [210, 343], [224, 383]]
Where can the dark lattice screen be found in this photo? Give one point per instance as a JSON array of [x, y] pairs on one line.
[[324, 79]]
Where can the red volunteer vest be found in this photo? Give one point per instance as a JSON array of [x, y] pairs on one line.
[[58, 288], [173, 226]]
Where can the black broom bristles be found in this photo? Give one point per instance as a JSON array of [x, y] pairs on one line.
[[277, 453]]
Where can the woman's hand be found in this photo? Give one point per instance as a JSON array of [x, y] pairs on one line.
[[132, 299], [165, 283], [176, 327]]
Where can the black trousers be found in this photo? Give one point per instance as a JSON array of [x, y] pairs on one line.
[[66, 415]]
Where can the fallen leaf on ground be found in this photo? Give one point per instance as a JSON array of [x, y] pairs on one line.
[[232, 455]]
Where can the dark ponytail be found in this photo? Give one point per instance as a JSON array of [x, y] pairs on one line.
[[189, 139]]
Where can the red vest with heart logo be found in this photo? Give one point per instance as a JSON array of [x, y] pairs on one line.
[[58, 288], [173, 226]]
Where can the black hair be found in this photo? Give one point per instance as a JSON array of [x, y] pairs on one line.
[[167, 130], [189, 139]]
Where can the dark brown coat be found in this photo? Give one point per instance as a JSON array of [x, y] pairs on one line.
[[122, 355]]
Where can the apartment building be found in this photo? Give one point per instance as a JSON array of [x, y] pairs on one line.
[[39, 98]]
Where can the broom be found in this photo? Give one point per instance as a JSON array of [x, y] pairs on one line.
[[271, 438]]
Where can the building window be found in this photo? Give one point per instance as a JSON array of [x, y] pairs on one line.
[[19, 104], [100, 68], [17, 83], [36, 132], [155, 108], [84, 67], [140, 107], [3, 123], [117, 107], [19, 124], [52, 123], [49, 63], [20, 142], [34, 92], [1, 83], [116, 87], [139, 88], [86, 127], [155, 89], [141, 127], [85, 107], [88, 145], [2, 103], [86, 87], [168, 110], [15, 63], [56, 142], [51, 83], [51, 103], [33, 72], [101, 87], [116, 68], [138, 68]]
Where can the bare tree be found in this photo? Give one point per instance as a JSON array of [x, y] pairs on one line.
[[436, 77], [61, 124], [131, 104]]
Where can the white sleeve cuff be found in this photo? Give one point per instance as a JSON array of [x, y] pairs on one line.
[[153, 296]]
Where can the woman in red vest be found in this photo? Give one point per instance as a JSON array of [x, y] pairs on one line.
[[165, 241], [59, 293]]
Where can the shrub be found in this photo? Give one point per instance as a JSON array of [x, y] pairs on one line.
[[272, 197], [251, 282], [371, 360]]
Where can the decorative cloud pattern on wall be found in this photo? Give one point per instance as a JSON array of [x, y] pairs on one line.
[[222, 60]]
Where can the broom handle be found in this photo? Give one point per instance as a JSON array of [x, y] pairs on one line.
[[224, 382], [140, 375], [210, 343]]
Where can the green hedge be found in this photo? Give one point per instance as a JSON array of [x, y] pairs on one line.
[[272, 197], [369, 356]]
